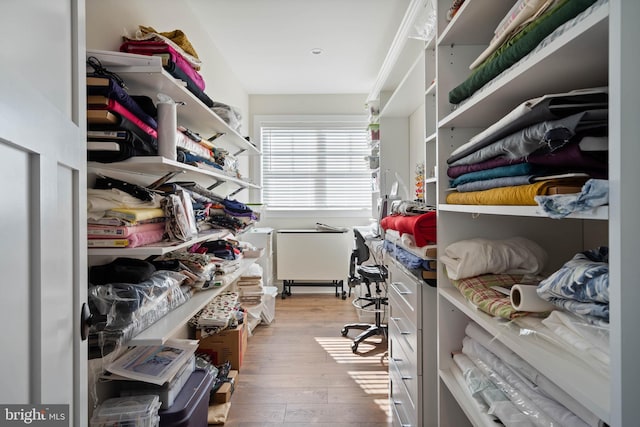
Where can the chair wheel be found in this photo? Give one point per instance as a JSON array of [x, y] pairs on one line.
[[354, 347], [344, 332], [344, 295]]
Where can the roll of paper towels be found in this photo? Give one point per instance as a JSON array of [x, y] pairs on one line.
[[525, 298], [167, 129]]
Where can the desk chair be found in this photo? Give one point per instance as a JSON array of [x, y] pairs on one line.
[[366, 274]]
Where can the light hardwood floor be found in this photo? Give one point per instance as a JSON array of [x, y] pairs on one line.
[[299, 371]]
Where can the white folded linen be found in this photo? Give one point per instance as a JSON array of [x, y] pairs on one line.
[[473, 257]]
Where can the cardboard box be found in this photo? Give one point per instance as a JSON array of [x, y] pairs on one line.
[[229, 344], [233, 378], [431, 251], [223, 394]]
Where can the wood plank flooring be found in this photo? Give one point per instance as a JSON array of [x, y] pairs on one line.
[[299, 371]]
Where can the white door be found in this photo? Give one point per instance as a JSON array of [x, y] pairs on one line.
[[43, 205]]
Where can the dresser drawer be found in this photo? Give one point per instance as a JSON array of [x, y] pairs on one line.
[[398, 303], [404, 412], [402, 328], [406, 363], [406, 291]]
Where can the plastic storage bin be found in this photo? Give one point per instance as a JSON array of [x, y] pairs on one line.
[[268, 314], [132, 411], [191, 407]]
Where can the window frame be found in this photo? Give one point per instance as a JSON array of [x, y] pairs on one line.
[[261, 120]]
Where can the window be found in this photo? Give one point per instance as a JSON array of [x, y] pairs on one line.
[[315, 164]]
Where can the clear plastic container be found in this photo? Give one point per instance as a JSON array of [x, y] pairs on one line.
[[131, 411]]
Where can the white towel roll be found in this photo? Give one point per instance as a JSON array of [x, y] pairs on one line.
[[525, 298]]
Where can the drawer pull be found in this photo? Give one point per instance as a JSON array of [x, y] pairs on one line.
[[395, 410], [396, 288], [395, 359], [397, 324], [404, 378]]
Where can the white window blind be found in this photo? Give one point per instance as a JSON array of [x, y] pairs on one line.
[[315, 165]]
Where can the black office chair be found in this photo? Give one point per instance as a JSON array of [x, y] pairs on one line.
[[366, 274]]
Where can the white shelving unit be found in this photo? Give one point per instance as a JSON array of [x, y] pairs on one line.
[[408, 136], [598, 51], [144, 75], [577, 59]]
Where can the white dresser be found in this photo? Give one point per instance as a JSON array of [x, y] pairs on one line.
[[412, 352]]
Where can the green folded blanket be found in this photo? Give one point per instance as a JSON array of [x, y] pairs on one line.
[[518, 47]]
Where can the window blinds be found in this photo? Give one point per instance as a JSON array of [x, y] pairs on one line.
[[315, 166]]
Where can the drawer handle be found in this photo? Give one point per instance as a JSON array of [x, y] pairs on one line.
[[395, 321], [404, 378], [395, 359], [395, 410], [395, 287]]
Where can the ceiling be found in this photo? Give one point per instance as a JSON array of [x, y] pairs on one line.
[[268, 43]]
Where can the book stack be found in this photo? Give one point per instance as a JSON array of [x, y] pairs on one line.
[[250, 286], [119, 126]]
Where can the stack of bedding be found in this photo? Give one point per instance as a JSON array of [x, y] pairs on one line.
[[411, 240], [512, 391]]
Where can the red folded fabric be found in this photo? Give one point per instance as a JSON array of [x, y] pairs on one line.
[[422, 227], [148, 47]]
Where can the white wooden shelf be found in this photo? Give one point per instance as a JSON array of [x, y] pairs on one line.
[[158, 166], [461, 393], [144, 75], [432, 180], [474, 22], [405, 99], [159, 248], [431, 138], [431, 90], [169, 324], [599, 213], [568, 371]]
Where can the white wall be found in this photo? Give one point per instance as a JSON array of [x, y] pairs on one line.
[[109, 20], [311, 105], [416, 146], [348, 104]]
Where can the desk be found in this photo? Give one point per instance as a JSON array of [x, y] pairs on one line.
[[310, 257]]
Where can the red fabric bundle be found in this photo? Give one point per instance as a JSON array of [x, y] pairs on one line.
[[422, 227]]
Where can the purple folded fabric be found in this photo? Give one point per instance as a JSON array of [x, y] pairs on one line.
[[570, 158]]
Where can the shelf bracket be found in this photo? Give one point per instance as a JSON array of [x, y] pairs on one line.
[[233, 193], [239, 152], [160, 181], [214, 185]]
